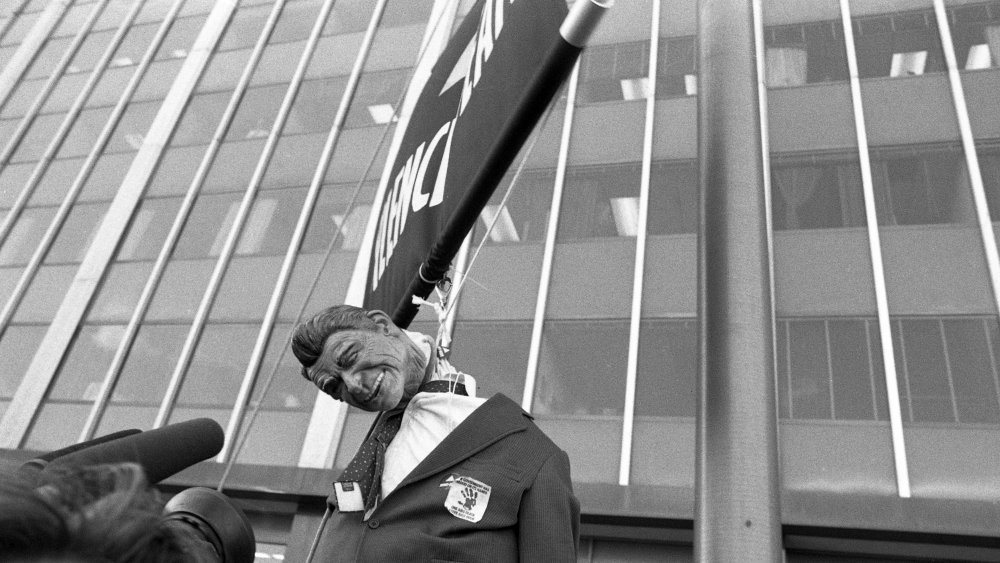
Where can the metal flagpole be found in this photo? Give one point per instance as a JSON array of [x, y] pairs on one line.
[[737, 506]]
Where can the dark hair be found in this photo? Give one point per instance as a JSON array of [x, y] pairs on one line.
[[91, 514], [310, 336]]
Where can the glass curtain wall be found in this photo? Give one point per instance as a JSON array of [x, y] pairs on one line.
[[942, 305], [663, 440], [579, 394], [829, 365], [344, 202], [60, 170]]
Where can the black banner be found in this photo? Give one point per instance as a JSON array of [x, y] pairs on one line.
[[484, 95]]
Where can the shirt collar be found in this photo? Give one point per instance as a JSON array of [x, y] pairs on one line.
[[442, 368]]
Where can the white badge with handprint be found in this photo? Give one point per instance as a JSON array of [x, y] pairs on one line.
[[467, 497]]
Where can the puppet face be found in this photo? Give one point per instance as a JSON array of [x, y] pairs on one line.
[[370, 370]]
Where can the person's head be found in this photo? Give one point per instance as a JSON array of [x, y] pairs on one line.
[[359, 357], [88, 515]]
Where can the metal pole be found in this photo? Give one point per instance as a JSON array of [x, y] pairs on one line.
[[737, 506]]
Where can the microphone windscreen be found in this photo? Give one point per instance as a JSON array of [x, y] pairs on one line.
[[30, 468], [161, 452]]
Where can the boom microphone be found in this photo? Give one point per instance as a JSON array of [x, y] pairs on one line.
[[31, 468], [161, 452]]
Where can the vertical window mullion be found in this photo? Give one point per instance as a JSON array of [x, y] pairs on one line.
[[906, 369], [875, 250], [871, 368], [988, 335], [788, 368], [628, 416], [829, 370], [153, 279], [67, 318], [246, 205], [948, 371], [550, 242], [47, 89]]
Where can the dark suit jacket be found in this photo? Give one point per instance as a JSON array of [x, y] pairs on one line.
[[497, 467]]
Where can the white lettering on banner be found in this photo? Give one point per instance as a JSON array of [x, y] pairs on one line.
[[407, 194]]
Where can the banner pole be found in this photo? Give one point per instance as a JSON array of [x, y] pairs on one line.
[[556, 65]]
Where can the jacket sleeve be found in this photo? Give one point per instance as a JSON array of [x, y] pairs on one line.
[[549, 518]]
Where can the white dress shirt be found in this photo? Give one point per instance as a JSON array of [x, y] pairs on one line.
[[427, 420]]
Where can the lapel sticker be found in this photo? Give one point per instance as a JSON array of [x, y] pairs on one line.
[[467, 497]]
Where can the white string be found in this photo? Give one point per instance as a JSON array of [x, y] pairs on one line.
[[463, 276]]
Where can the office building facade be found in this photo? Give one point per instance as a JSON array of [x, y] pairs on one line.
[[181, 181]]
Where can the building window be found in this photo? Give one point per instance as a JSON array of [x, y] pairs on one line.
[[673, 198], [816, 194], [582, 368], [376, 97], [948, 369], [975, 30], [920, 186], [898, 45], [620, 72], [677, 72], [614, 73], [600, 201], [668, 355], [805, 54], [830, 369], [989, 169], [525, 216]]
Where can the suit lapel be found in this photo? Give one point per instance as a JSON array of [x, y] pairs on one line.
[[496, 418]]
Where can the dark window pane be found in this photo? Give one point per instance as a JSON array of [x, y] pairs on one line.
[[208, 226], [329, 213], [525, 216], [809, 369], [149, 229], [496, 354], [989, 168], [899, 45], [200, 119], [817, 195], [295, 22], [82, 372], [614, 72], [667, 362], [180, 38], [582, 368], [677, 75], [244, 28], [600, 201], [922, 188], [851, 360], [673, 198], [315, 105], [920, 352], [781, 367], [216, 371], [76, 233], [17, 349], [150, 362], [256, 113], [973, 368], [376, 98], [24, 236]]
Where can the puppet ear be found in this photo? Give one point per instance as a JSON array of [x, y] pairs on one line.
[[384, 320]]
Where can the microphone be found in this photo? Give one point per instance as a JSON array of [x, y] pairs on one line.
[[30, 469], [161, 452]]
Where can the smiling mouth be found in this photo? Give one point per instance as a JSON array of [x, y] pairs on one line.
[[375, 390]]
